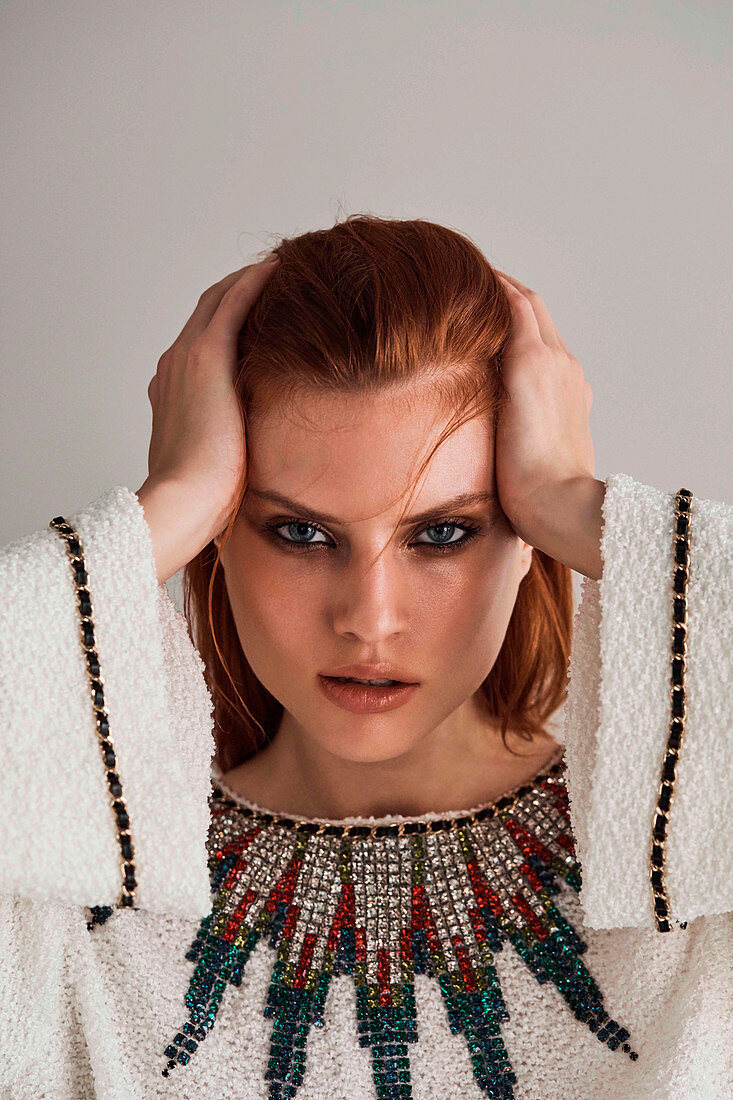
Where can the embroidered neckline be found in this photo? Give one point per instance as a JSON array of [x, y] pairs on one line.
[[383, 903], [447, 818]]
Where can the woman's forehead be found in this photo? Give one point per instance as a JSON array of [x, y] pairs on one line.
[[365, 460], [414, 412]]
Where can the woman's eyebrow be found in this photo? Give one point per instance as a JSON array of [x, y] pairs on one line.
[[463, 500]]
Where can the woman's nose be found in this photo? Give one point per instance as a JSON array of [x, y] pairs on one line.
[[370, 606]]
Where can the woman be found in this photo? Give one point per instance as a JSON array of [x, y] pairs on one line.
[[380, 894]]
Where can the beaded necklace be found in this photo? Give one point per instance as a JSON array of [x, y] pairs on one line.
[[432, 895]]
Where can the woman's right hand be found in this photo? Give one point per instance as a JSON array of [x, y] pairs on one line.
[[197, 447]]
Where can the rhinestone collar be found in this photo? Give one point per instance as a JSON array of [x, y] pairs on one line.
[[382, 900]]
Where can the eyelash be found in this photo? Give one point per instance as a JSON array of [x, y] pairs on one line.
[[471, 529]]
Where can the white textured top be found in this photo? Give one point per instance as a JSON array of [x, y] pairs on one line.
[[87, 1013]]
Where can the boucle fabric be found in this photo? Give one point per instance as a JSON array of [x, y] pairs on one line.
[[87, 1013], [618, 711], [160, 719]]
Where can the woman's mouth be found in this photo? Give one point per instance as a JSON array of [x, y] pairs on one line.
[[366, 697], [356, 680]]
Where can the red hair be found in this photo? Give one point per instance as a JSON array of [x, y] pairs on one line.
[[369, 303]]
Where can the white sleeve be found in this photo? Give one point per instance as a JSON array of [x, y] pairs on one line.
[[618, 712], [58, 831]]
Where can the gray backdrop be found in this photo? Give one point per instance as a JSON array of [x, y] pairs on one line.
[[149, 149]]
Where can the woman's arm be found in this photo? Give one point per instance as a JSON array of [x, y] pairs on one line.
[[59, 834], [650, 708], [567, 523], [624, 715], [105, 734], [179, 529]]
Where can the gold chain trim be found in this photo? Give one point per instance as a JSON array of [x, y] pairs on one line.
[[657, 854], [75, 554]]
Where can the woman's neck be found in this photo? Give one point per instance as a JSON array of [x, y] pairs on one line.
[[457, 769]]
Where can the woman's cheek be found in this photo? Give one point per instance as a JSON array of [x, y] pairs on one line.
[[265, 616], [487, 601], [275, 627]]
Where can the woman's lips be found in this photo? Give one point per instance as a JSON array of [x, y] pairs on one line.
[[366, 698]]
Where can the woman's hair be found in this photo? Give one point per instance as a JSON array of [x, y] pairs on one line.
[[365, 305]]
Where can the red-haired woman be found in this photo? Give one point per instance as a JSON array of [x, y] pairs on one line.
[[316, 838]]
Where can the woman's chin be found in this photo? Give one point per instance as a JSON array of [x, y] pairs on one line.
[[365, 741]]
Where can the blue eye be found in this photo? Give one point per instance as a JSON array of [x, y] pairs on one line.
[[445, 543], [301, 529]]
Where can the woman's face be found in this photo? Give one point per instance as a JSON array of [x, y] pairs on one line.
[[439, 615]]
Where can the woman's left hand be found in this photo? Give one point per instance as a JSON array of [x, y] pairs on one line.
[[544, 452]]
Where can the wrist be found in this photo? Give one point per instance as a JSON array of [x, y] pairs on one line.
[[565, 520], [180, 527]]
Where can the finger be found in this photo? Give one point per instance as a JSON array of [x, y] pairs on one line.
[[548, 328], [545, 323], [527, 326], [237, 301], [210, 300]]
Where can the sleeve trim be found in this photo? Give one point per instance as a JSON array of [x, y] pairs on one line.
[[657, 853], [95, 681]]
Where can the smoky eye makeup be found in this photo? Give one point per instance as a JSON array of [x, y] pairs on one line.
[[445, 535]]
